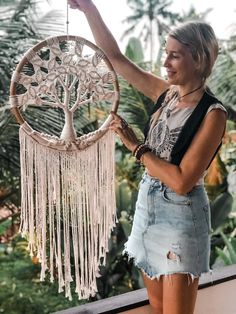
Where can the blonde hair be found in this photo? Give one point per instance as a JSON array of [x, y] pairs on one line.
[[200, 39]]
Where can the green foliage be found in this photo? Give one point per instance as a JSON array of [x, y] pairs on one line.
[[222, 81], [231, 247], [17, 34], [21, 290], [225, 243], [220, 209], [134, 50], [152, 19], [4, 226]]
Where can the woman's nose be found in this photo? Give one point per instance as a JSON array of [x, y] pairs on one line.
[[166, 62]]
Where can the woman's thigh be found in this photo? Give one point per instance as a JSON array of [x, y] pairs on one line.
[[179, 294], [155, 293]]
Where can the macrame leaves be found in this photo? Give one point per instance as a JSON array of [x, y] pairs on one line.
[[64, 74]]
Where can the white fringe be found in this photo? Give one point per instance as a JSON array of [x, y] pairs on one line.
[[68, 209]]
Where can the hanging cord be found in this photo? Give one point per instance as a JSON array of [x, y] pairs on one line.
[[67, 18]]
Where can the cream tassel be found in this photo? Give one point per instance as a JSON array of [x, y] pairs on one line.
[[68, 209]]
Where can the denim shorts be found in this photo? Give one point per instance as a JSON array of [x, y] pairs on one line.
[[170, 232]]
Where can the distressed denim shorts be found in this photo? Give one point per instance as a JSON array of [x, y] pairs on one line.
[[170, 232]]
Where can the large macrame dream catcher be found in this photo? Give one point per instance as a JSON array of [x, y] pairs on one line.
[[67, 182]]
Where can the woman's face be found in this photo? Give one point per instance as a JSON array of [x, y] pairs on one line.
[[179, 63]]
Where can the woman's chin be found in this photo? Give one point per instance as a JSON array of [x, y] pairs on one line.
[[171, 81]]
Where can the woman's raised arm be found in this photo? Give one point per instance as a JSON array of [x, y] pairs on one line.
[[147, 83]]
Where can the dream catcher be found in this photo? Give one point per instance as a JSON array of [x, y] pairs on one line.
[[67, 181]]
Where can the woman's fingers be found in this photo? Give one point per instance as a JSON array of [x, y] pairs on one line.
[[73, 4], [119, 119], [124, 124], [115, 126], [115, 116], [124, 131], [119, 123], [82, 5]]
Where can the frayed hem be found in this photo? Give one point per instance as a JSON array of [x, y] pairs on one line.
[[191, 277], [142, 267]]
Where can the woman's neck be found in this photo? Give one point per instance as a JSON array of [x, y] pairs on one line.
[[190, 95]]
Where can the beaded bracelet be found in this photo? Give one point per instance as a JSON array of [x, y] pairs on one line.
[[140, 150], [137, 148]]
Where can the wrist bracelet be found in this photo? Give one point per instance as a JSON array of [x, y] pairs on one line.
[[142, 150], [136, 149]]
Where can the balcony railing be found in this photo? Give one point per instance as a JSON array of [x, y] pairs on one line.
[[217, 295]]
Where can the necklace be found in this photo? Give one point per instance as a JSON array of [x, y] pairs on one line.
[[180, 97]]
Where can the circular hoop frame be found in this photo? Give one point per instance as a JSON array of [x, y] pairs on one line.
[[52, 43]]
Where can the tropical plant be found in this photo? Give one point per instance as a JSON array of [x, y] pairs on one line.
[[18, 32], [152, 18], [224, 243], [228, 253], [20, 286], [222, 80], [192, 14], [223, 84]]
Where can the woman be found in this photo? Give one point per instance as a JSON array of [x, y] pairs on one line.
[[170, 235]]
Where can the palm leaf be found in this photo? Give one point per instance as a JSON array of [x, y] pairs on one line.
[[222, 80], [226, 259], [230, 247], [144, 12]]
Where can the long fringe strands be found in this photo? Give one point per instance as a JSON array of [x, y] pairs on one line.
[[68, 209]]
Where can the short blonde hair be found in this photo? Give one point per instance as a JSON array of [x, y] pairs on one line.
[[200, 38]]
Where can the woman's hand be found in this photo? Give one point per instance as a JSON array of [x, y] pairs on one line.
[[125, 132], [82, 5]]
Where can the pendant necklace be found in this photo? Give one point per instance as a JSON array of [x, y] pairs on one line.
[[179, 98]]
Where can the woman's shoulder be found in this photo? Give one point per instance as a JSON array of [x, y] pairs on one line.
[[215, 102], [216, 105]]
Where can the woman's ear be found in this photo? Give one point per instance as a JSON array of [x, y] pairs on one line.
[[198, 68]]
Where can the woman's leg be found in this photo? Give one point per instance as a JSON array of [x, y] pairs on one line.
[[179, 294], [155, 293]]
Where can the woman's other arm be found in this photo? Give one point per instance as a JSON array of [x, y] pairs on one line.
[[182, 178]]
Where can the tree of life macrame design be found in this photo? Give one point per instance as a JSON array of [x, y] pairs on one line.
[[67, 181]]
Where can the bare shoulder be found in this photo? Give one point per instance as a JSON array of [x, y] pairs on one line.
[[215, 119]]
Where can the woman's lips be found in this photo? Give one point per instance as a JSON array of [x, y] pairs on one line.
[[170, 73]]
